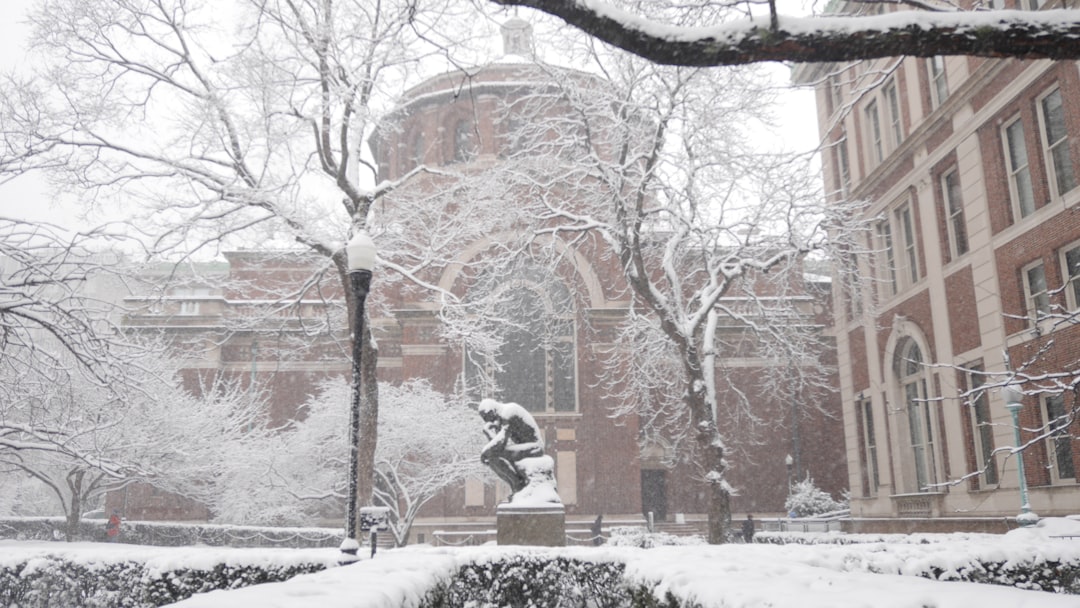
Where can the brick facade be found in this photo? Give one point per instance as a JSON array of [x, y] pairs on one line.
[[967, 308], [610, 465]]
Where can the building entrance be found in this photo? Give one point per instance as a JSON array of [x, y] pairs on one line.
[[654, 493]]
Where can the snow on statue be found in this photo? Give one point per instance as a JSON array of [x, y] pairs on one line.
[[516, 454]]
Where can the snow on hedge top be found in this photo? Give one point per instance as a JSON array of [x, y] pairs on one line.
[[728, 576]]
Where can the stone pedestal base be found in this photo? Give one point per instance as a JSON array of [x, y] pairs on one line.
[[543, 526]]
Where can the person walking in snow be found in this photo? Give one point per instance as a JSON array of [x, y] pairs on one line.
[[748, 529], [112, 528]]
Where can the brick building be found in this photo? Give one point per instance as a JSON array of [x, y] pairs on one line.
[[601, 465], [970, 169]]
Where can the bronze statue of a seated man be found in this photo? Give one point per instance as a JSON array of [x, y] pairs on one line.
[[515, 451]]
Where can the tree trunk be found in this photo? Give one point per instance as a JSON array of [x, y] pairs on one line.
[[74, 514], [711, 450]]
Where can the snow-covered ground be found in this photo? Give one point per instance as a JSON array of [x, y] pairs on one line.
[[730, 576]]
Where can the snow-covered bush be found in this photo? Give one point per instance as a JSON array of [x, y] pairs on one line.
[[172, 534], [50, 581], [636, 536], [807, 500], [533, 580]]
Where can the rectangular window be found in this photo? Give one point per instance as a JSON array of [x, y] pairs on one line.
[[474, 492], [873, 124], [845, 164], [921, 434], [939, 86], [1038, 298], [832, 94], [885, 242], [896, 127], [869, 445], [983, 429], [566, 476], [1019, 173], [1070, 265], [1056, 143], [1060, 441], [853, 283], [954, 213], [911, 253]]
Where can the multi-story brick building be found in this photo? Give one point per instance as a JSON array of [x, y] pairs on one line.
[[449, 121], [970, 169]]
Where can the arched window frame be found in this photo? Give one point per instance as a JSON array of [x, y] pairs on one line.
[[912, 385]]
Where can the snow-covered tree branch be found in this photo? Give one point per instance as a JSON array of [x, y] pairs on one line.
[[427, 444], [655, 166], [224, 125], [694, 35]]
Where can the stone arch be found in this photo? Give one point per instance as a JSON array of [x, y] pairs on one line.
[[581, 265], [917, 432]]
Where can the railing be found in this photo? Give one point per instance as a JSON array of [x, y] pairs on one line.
[[826, 522], [443, 538]]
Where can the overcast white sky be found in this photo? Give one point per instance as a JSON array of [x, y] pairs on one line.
[[24, 197], [27, 196]]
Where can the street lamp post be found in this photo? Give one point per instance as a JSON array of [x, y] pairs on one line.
[[361, 259], [1013, 402]]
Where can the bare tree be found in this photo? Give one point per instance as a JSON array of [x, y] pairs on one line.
[[428, 444], [57, 306], [726, 33], [657, 166], [80, 438], [217, 125]]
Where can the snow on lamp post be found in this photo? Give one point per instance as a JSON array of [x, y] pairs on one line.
[[1013, 402], [360, 252]]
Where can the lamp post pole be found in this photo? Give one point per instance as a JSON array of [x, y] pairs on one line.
[[789, 462], [361, 259], [1013, 402]]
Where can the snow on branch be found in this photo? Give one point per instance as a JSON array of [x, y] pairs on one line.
[[1020, 34]]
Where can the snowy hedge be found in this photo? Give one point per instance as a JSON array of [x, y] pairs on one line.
[[532, 580], [673, 577], [163, 534], [130, 577]]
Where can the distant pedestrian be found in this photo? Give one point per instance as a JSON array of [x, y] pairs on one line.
[[748, 529], [597, 531], [112, 528]]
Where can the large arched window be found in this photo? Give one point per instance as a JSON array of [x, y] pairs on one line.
[[533, 363], [920, 470]]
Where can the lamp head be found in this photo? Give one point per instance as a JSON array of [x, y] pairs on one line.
[[360, 252], [788, 460], [1012, 395]]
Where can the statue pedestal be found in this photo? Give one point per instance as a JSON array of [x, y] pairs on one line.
[[538, 525]]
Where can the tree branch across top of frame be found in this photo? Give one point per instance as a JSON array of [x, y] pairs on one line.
[[1053, 34]]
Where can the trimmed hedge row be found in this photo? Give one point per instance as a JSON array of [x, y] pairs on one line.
[[1036, 573], [526, 581], [532, 581], [48, 582], [162, 534], [1046, 575]]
